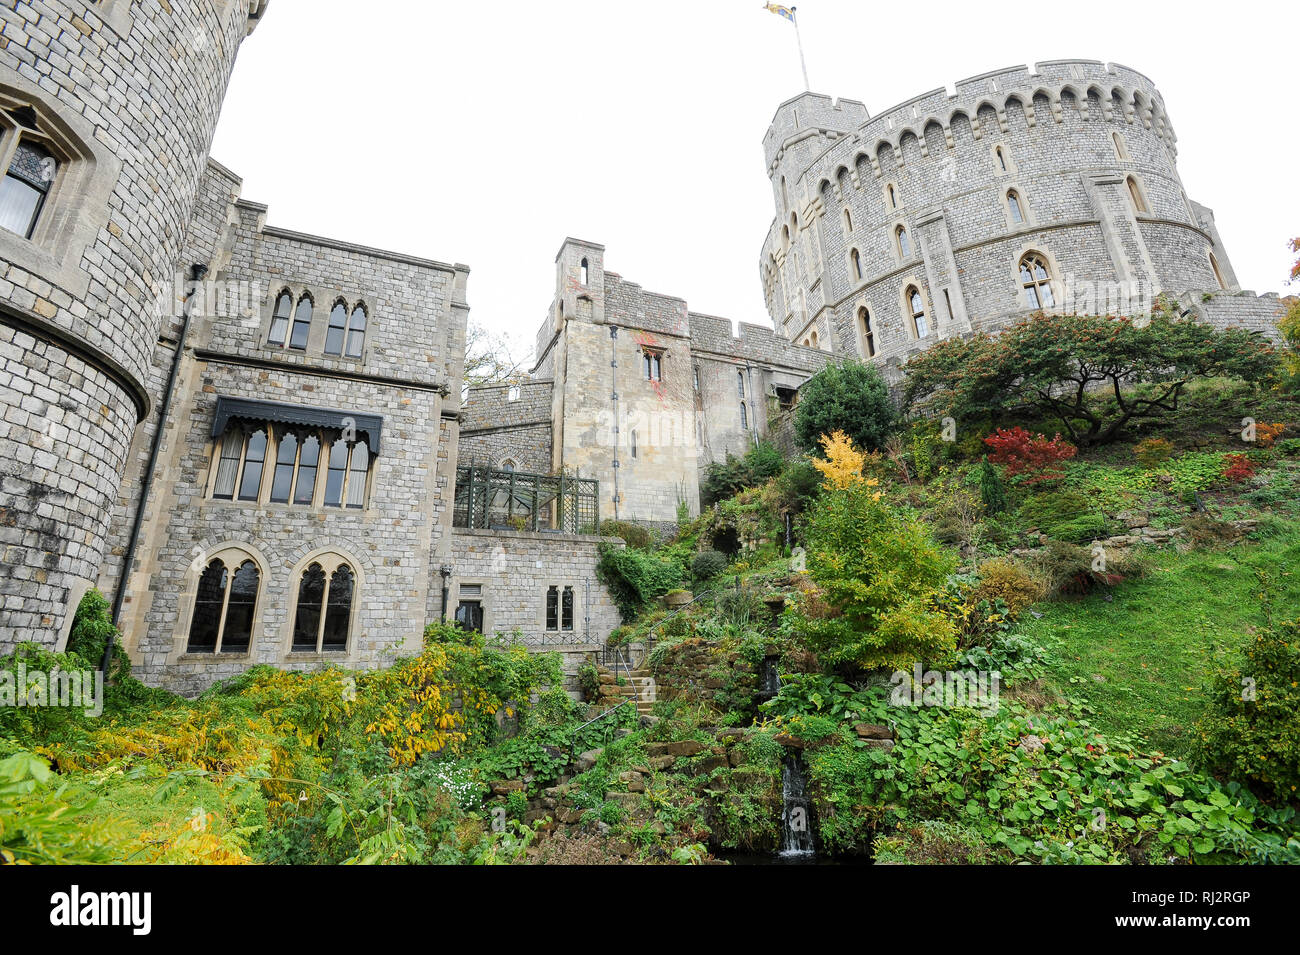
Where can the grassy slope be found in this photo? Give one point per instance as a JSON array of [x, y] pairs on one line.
[[1154, 644]]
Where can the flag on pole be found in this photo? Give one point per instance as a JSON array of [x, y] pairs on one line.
[[780, 11]]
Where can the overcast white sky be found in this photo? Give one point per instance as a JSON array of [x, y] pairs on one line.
[[485, 132]]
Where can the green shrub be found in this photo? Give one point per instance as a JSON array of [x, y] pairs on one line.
[[91, 629], [797, 485], [993, 495], [707, 564], [723, 479], [637, 577], [1062, 567], [847, 396], [1251, 731], [1063, 515], [1153, 452], [879, 573], [634, 535]]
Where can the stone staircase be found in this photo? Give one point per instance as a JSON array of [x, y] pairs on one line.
[[639, 687]]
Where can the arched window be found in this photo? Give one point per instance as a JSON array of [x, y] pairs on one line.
[[904, 243], [916, 307], [1135, 193], [358, 470], [323, 617], [1218, 276], [632, 441], [25, 185], [740, 383], [1013, 206], [239, 464], [582, 272], [848, 221], [224, 609], [338, 328], [785, 238], [744, 417], [357, 332], [301, 323], [1121, 151], [1036, 280], [280, 319], [304, 489], [286, 459], [868, 336], [855, 261], [508, 465], [893, 196], [1002, 159]]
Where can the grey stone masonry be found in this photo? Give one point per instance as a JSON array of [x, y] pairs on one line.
[[896, 230], [508, 425], [123, 98]]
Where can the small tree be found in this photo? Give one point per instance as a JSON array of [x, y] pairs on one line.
[[1061, 365], [846, 396], [878, 572]]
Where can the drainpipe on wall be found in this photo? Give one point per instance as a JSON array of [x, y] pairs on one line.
[[197, 271], [445, 571], [613, 386]]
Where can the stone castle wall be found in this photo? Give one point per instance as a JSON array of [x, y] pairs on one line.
[[126, 97], [495, 429], [1065, 138]]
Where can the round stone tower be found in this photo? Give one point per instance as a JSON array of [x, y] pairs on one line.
[[1050, 188], [107, 111]]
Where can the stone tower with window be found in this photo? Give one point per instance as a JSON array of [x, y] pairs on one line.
[[1052, 188], [107, 110]]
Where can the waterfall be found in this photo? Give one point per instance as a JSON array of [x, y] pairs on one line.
[[770, 684], [796, 817]]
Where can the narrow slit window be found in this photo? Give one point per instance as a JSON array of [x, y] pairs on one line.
[[920, 326], [308, 461], [1013, 205], [337, 329], [280, 319], [301, 324], [904, 243], [553, 608], [566, 609], [868, 336], [357, 332], [855, 260]]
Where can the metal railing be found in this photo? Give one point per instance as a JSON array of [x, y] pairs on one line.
[[606, 730], [492, 498]]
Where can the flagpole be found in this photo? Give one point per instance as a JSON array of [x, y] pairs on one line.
[[794, 18]]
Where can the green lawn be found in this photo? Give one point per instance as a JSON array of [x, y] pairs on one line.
[[1141, 661]]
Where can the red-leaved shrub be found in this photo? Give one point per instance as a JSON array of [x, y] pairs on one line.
[[1029, 454], [1238, 468]]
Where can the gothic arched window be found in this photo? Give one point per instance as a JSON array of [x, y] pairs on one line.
[[323, 616], [224, 608], [1036, 280], [280, 319], [357, 332], [868, 336], [916, 309], [904, 243], [301, 330], [855, 259], [337, 328], [1135, 194], [1013, 206]]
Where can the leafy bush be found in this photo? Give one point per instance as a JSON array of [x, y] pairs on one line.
[[1251, 730], [634, 535], [1055, 363], [91, 630], [1063, 515], [1238, 468], [637, 577], [847, 396], [707, 564], [1030, 455], [723, 479], [992, 493], [1001, 579], [1153, 452], [878, 572]]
